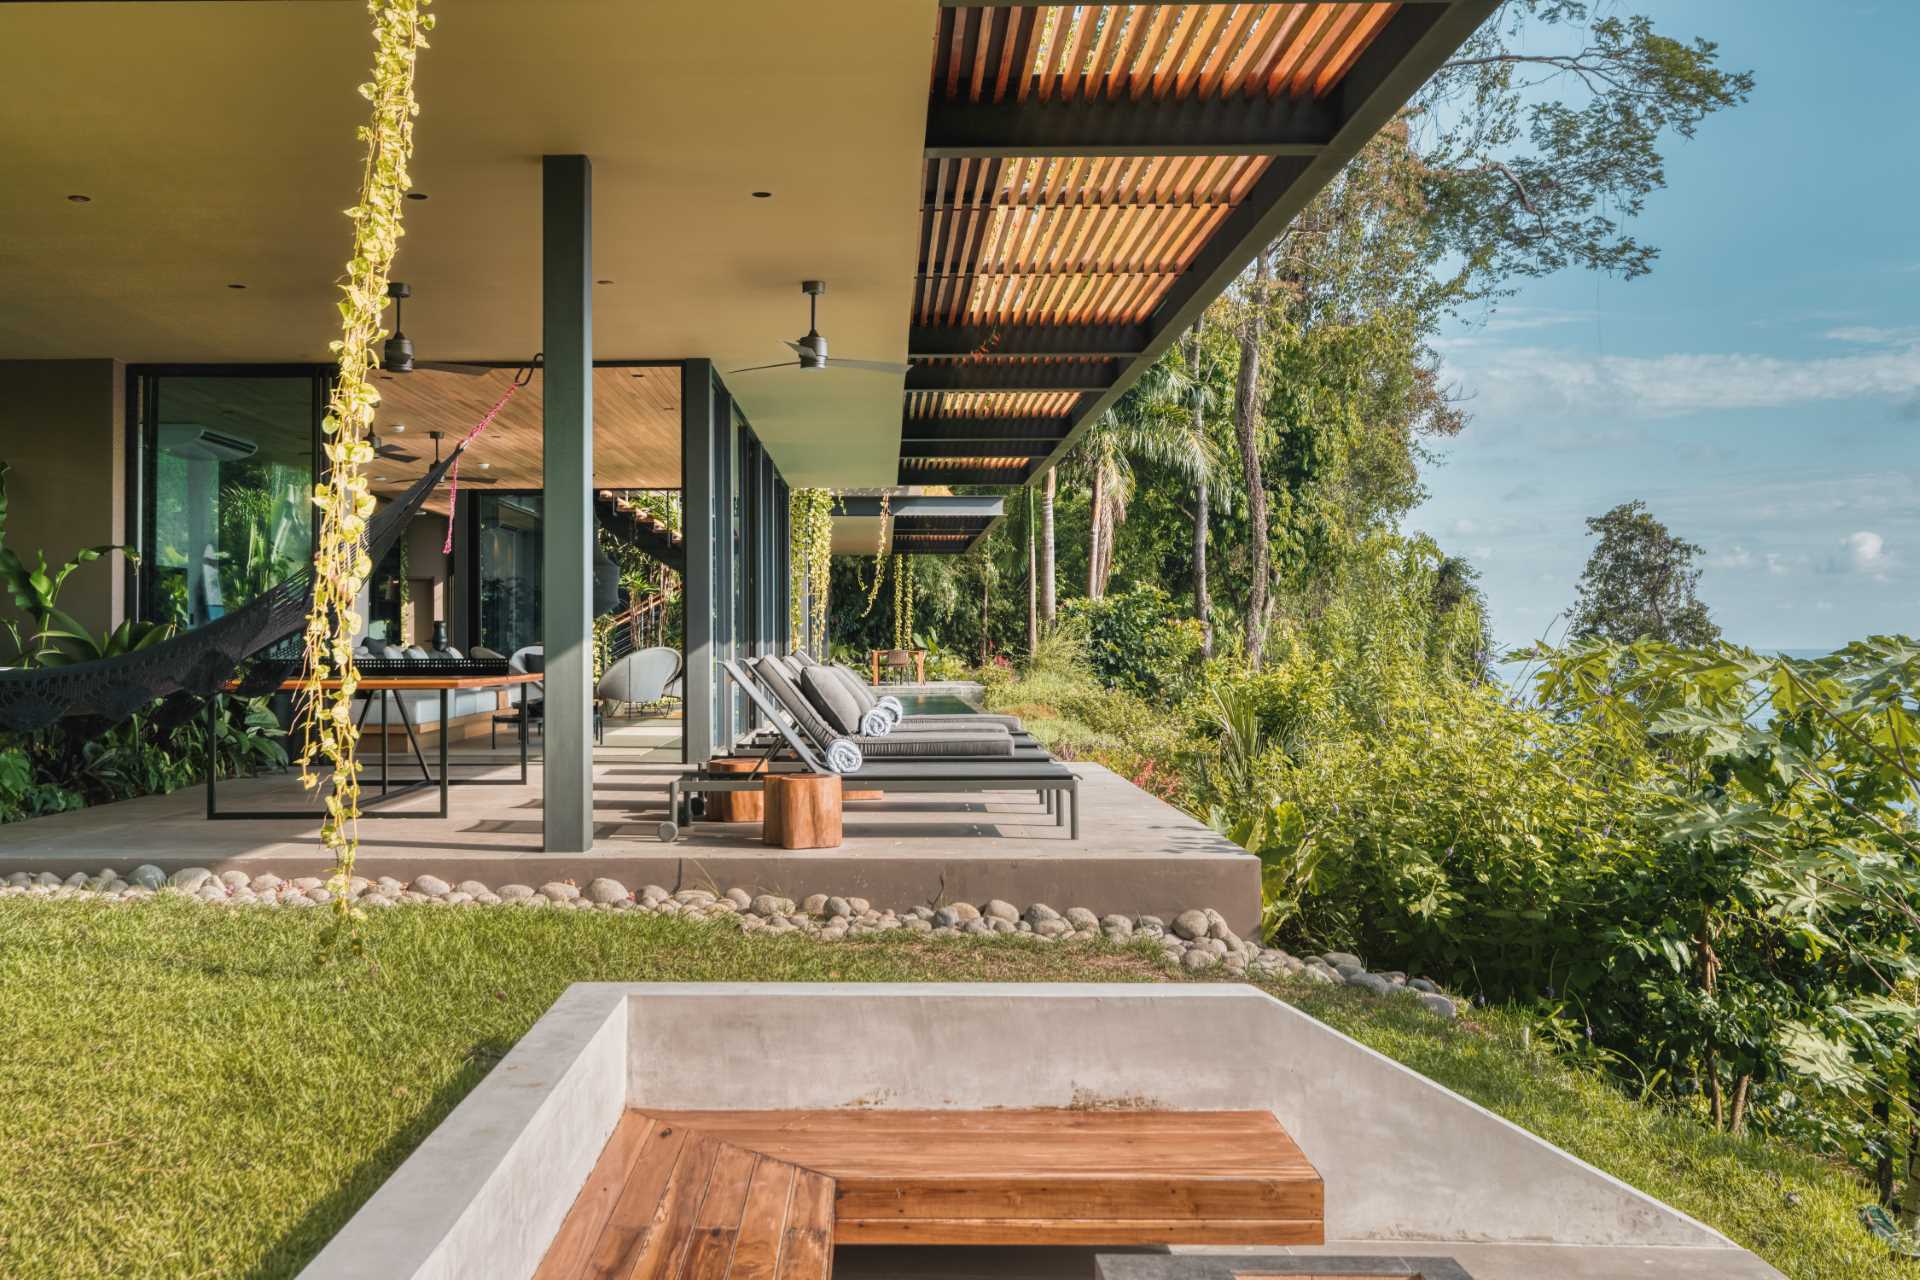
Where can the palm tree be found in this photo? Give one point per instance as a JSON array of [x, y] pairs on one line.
[[1101, 459], [1048, 599], [1162, 420], [1248, 402]]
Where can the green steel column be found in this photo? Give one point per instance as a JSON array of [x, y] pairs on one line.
[[697, 408], [567, 500]]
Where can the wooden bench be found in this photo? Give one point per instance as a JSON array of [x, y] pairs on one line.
[[703, 1195], [664, 1201]]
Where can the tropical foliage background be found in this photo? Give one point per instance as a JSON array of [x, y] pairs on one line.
[[1692, 865]]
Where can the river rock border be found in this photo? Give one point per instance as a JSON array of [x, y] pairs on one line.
[[1195, 941]]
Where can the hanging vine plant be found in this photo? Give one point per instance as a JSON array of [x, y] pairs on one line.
[[341, 567], [903, 602], [405, 594], [809, 566], [879, 556]]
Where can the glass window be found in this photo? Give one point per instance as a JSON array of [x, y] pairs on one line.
[[509, 569], [231, 511]]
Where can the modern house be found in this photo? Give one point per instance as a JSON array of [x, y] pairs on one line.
[[1021, 204]]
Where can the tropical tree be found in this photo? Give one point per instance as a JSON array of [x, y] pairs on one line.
[[1248, 411], [1542, 137], [1640, 583], [1048, 600], [1102, 463]]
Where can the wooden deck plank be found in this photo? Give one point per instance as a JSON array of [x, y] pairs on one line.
[[671, 1233], [633, 1212], [717, 1223], [653, 1216], [1036, 1119], [806, 1252], [1092, 1198], [768, 1195], [579, 1234], [756, 1254], [1075, 1231]]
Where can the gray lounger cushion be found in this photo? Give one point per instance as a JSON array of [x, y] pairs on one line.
[[832, 699], [990, 741], [937, 746], [856, 686]]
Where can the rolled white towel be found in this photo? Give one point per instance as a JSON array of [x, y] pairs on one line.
[[843, 756], [892, 704], [876, 723]]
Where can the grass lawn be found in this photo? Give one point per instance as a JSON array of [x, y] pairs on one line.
[[187, 1091]]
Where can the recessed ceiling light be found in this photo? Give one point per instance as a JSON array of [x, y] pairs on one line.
[[603, 282], [236, 286], [382, 479], [416, 195], [80, 199], [399, 426], [486, 466], [763, 195], [639, 375]]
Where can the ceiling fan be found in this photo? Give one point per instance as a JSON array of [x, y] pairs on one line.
[[390, 451], [397, 355], [812, 349], [485, 466]]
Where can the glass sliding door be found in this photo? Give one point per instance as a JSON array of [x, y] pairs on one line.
[[227, 472], [508, 527]]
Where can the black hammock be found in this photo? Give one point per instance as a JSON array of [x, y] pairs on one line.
[[199, 662]]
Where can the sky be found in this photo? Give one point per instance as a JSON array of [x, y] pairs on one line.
[[1760, 389]]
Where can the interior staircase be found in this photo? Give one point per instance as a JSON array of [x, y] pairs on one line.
[[641, 529]]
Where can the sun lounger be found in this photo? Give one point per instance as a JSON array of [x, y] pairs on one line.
[[1048, 777]]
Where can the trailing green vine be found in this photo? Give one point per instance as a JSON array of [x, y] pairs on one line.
[[809, 565], [405, 595], [903, 586], [879, 555], [341, 566]]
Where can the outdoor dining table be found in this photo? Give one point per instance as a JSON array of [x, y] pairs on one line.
[[386, 687], [876, 656]]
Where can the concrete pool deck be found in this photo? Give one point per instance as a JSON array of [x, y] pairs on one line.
[[1136, 854], [1410, 1168]]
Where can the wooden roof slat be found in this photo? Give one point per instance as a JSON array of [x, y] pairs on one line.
[[1332, 35], [1059, 22], [1366, 24], [974, 57], [1096, 82], [1282, 80], [1017, 53], [951, 39], [1249, 70], [1147, 20], [1087, 21]]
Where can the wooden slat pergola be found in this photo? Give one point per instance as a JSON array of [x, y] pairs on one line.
[[1096, 174]]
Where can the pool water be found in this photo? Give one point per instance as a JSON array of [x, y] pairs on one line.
[[934, 704]]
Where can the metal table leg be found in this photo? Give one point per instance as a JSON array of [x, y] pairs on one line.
[[443, 754], [213, 751]]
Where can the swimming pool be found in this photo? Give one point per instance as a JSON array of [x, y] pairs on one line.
[[934, 704]]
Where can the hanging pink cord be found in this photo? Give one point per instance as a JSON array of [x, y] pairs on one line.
[[453, 476]]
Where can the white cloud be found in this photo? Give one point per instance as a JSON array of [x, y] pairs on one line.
[[1867, 551], [1871, 335], [1542, 380], [1464, 526], [1778, 565], [1738, 557]]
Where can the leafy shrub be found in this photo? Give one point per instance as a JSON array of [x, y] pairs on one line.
[[1138, 641]]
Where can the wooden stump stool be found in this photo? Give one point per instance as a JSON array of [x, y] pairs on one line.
[[734, 806], [803, 811]]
